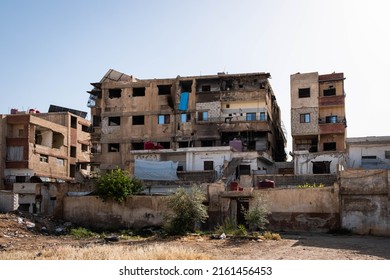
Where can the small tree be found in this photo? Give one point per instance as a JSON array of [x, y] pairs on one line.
[[186, 208], [117, 184], [256, 215]]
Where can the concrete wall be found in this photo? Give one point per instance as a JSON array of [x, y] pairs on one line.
[[365, 201], [135, 212], [9, 201], [303, 209]]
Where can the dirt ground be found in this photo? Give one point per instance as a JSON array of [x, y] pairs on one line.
[[16, 233]]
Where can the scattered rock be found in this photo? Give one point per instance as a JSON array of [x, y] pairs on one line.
[[111, 238]]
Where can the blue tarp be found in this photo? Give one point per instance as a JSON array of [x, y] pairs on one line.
[[155, 170], [184, 101]]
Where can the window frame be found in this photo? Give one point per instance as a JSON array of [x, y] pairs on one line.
[[304, 118]]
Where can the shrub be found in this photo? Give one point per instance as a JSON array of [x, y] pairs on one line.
[[256, 215], [310, 186], [81, 232], [240, 231], [117, 184], [271, 236], [186, 209]]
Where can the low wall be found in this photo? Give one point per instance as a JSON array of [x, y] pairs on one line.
[[288, 180], [314, 209], [365, 201], [136, 212]]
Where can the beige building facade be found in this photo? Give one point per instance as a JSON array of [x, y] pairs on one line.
[[318, 121], [130, 114], [51, 146]]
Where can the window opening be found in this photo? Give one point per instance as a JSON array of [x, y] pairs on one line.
[[163, 119], [140, 91], [304, 92], [113, 147], [330, 146], [114, 121], [305, 118], [114, 93], [138, 120], [164, 89]]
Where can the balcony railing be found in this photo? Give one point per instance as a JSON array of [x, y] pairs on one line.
[[239, 119], [332, 119]]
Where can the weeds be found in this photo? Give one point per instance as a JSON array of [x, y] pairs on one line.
[[310, 186], [271, 236]]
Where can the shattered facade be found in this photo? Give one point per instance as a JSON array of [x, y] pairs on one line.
[[49, 147], [130, 114], [318, 122]]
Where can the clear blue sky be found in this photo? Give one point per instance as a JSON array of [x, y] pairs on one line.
[[50, 51]]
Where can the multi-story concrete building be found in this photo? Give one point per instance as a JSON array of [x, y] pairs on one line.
[[130, 114], [52, 146], [318, 122]]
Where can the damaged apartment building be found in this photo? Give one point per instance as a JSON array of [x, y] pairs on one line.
[[197, 124], [318, 122], [43, 147]]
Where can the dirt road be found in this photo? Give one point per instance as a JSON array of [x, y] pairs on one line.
[[15, 235]]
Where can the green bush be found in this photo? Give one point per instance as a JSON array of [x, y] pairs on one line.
[[117, 184], [81, 232], [185, 210], [256, 215], [271, 236]]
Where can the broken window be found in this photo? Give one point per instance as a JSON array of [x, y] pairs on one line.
[[43, 158], [387, 154], [114, 121], [208, 165], [165, 145], [96, 148], [114, 93], [73, 122], [163, 119], [207, 143], [304, 118], [250, 116], [184, 144], [72, 170], [185, 118], [113, 148], [164, 89], [137, 146], [321, 167], [329, 91], [330, 146], [84, 148], [96, 121], [73, 151], [206, 88], [139, 91], [245, 169], [58, 140], [304, 92], [85, 128], [203, 116], [138, 120], [186, 86]]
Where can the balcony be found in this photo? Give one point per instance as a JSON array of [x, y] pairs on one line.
[[332, 125], [336, 100]]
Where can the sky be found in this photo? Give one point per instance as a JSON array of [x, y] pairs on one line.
[[50, 51]]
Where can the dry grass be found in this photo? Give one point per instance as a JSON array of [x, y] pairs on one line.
[[106, 252]]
